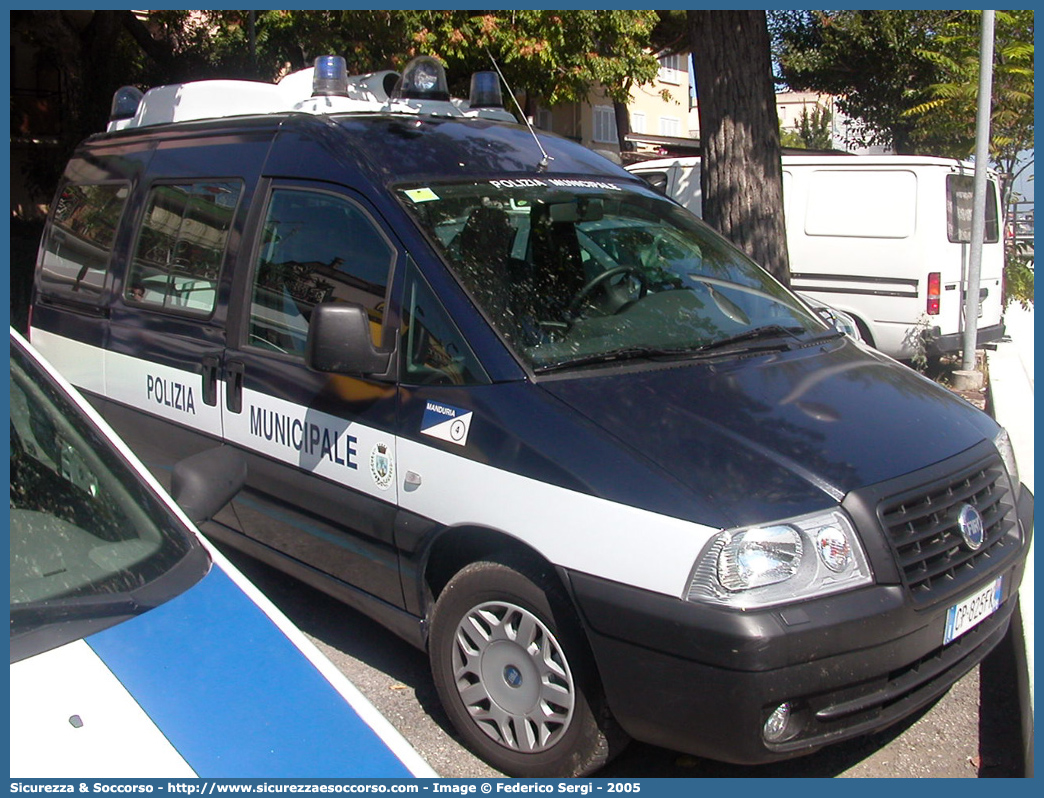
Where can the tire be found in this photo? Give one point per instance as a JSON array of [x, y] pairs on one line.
[[515, 674]]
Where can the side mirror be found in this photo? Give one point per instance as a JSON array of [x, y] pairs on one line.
[[339, 341], [205, 482]]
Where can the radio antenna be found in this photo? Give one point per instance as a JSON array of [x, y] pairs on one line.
[[547, 158]]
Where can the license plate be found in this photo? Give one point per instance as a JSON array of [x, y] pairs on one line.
[[973, 610]]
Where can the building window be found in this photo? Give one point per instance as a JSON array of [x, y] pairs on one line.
[[670, 126], [638, 122], [671, 68], [544, 119], [604, 124]]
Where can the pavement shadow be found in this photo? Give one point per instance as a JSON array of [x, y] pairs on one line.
[[1000, 712], [348, 630]]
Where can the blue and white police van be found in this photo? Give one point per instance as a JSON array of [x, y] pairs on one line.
[[531, 415], [137, 650]]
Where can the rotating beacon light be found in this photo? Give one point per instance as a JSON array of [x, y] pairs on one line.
[[330, 78], [485, 91], [424, 78]]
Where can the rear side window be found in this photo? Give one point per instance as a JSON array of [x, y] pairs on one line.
[[79, 240], [181, 246], [960, 192]]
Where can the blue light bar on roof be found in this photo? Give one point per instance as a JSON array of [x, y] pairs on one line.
[[330, 77]]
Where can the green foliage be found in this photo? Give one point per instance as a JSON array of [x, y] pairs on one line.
[[911, 77], [553, 56], [1018, 274], [813, 133], [945, 123], [556, 55], [869, 60], [791, 138], [815, 129]]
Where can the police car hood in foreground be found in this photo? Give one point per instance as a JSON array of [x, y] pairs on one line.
[[137, 650], [635, 314]]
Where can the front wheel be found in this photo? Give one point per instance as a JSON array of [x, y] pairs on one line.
[[514, 674]]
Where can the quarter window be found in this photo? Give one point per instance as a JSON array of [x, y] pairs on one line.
[[657, 180], [315, 247], [79, 242], [435, 352], [181, 246]]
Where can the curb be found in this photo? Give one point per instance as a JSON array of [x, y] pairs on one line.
[[1001, 368]]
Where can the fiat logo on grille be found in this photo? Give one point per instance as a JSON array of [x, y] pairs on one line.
[[969, 523]]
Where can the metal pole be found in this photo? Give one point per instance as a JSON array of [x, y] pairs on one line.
[[982, 143]]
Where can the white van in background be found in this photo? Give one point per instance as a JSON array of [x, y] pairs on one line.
[[885, 239]]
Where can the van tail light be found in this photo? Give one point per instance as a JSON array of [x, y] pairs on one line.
[[934, 292]]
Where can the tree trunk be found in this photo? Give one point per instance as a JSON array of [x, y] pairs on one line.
[[623, 126], [741, 176]]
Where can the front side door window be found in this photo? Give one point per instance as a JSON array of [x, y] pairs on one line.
[[315, 247]]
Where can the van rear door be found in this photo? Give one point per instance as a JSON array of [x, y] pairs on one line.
[[959, 206]]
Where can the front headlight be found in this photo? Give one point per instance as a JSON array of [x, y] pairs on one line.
[[791, 560], [1007, 453]]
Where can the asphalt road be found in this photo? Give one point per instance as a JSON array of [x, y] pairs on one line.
[[972, 732]]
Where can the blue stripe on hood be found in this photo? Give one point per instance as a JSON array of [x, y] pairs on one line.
[[234, 696]]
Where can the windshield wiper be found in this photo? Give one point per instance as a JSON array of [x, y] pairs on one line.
[[75, 609], [612, 356], [830, 335], [774, 331]]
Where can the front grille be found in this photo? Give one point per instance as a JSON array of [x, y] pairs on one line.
[[921, 524]]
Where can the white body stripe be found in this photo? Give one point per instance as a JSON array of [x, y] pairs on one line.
[[174, 394], [332, 447], [71, 718], [81, 364], [571, 529]]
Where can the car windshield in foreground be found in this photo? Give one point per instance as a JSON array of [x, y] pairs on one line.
[[89, 539], [578, 272]]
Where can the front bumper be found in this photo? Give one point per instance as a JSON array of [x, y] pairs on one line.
[[703, 679]]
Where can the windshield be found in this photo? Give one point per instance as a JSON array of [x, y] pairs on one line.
[[573, 272], [89, 539]]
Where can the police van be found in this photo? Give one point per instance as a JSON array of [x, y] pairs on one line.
[[538, 420]]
